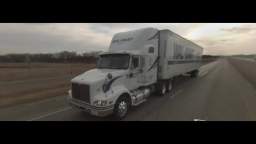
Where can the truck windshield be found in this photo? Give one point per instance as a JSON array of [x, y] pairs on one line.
[[113, 61]]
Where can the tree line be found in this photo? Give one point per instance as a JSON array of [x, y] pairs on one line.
[[210, 57], [61, 57]]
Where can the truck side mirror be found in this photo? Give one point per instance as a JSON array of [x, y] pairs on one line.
[[135, 61]]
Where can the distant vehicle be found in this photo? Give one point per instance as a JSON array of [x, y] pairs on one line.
[[137, 64]]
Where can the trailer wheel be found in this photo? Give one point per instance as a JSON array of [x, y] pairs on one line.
[[121, 107], [162, 89], [170, 85]]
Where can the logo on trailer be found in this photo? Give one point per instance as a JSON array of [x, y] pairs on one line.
[[122, 40]]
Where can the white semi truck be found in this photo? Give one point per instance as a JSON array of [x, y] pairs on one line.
[[137, 64]]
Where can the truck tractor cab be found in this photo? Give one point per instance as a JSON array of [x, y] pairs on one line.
[[121, 77]]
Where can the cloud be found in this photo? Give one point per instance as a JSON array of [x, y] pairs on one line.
[[216, 38], [239, 30], [112, 28], [42, 43], [79, 37], [48, 38]]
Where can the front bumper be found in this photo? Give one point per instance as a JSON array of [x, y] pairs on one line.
[[93, 110]]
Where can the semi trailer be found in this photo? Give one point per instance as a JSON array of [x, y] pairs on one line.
[[137, 64]]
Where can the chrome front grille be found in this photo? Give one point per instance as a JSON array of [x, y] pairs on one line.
[[81, 92]]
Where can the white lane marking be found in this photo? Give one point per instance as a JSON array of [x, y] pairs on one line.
[[205, 69], [208, 66], [49, 114], [199, 120], [203, 74]]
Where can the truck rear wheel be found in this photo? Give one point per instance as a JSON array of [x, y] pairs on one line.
[[170, 85], [121, 107], [162, 89]]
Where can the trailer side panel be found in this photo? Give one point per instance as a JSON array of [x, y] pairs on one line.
[[177, 55]]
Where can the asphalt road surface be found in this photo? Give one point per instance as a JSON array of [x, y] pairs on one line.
[[224, 91]]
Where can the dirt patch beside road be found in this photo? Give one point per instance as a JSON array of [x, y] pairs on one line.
[[21, 83]]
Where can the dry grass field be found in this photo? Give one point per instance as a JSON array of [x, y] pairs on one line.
[[22, 82]]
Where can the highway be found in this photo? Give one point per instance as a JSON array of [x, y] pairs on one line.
[[224, 91]]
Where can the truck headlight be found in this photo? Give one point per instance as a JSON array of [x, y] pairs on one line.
[[100, 103]]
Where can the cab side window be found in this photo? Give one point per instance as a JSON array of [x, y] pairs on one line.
[[135, 62]]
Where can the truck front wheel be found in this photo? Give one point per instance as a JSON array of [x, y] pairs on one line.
[[121, 107]]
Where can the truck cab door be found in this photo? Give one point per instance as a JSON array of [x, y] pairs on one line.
[[135, 73]]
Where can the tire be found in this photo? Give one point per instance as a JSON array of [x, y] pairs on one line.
[[121, 108], [162, 90], [194, 74], [170, 85]]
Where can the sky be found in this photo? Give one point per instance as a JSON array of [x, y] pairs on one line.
[[215, 38]]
